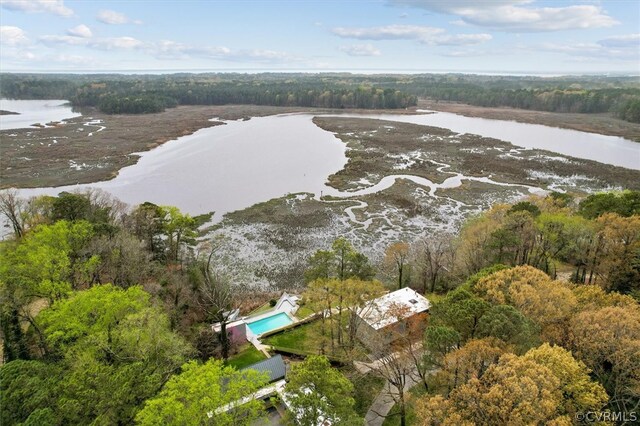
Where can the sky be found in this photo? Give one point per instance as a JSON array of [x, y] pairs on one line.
[[482, 36]]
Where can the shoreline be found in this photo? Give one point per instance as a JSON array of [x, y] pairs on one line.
[[88, 156], [603, 124]]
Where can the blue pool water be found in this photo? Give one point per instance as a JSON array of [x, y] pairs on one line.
[[269, 323]]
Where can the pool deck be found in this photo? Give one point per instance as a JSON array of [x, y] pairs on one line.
[[251, 319], [254, 339], [288, 305]]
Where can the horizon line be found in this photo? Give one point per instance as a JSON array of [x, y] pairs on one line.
[[370, 71]]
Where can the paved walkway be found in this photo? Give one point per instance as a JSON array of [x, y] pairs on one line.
[[385, 401]]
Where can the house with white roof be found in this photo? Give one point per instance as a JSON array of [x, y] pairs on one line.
[[381, 319]]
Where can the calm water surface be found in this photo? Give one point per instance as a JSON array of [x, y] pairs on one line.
[[229, 167], [590, 146], [234, 166], [32, 112]]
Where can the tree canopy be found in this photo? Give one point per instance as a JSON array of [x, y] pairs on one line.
[[316, 391], [206, 394]]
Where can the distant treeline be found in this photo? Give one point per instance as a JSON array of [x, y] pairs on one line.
[[624, 102], [143, 94], [113, 93]]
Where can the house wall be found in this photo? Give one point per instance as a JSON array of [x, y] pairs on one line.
[[238, 333], [367, 335], [375, 339]]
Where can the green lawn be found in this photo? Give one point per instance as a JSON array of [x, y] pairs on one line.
[[304, 312], [262, 309], [248, 355], [306, 338], [295, 338]]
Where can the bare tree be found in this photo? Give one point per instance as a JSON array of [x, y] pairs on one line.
[[397, 255], [398, 370], [434, 258], [11, 206], [216, 299], [102, 200]]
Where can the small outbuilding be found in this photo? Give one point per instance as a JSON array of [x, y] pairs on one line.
[[274, 366]]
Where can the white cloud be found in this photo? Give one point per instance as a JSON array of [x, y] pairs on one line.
[[360, 50], [518, 15], [166, 49], [459, 39], [20, 55], [464, 53], [53, 40], [116, 43], [593, 51], [56, 7], [115, 18], [71, 59], [172, 50], [262, 55], [80, 31], [427, 35], [110, 43], [389, 32], [629, 40], [13, 36]]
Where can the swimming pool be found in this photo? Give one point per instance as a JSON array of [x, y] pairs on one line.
[[269, 323]]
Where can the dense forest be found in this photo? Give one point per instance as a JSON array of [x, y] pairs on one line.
[[106, 313], [152, 93]]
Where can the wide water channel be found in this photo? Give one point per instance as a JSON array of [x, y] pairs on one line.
[[33, 112], [233, 166]]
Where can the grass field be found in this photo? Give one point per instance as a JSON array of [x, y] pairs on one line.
[[246, 356]]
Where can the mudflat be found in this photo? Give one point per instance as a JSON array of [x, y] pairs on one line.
[[285, 231]]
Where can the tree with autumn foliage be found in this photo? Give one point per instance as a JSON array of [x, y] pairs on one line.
[[467, 362], [607, 339], [548, 303], [618, 266], [600, 240], [580, 393], [544, 386]]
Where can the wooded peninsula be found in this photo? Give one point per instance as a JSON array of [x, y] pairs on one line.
[[138, 94]]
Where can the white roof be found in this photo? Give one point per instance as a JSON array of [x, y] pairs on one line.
[[379, 312]]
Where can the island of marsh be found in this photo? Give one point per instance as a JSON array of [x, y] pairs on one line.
[[285, 231]]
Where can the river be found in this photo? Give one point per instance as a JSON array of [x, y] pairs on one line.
[[233, 166], [34, 112]]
